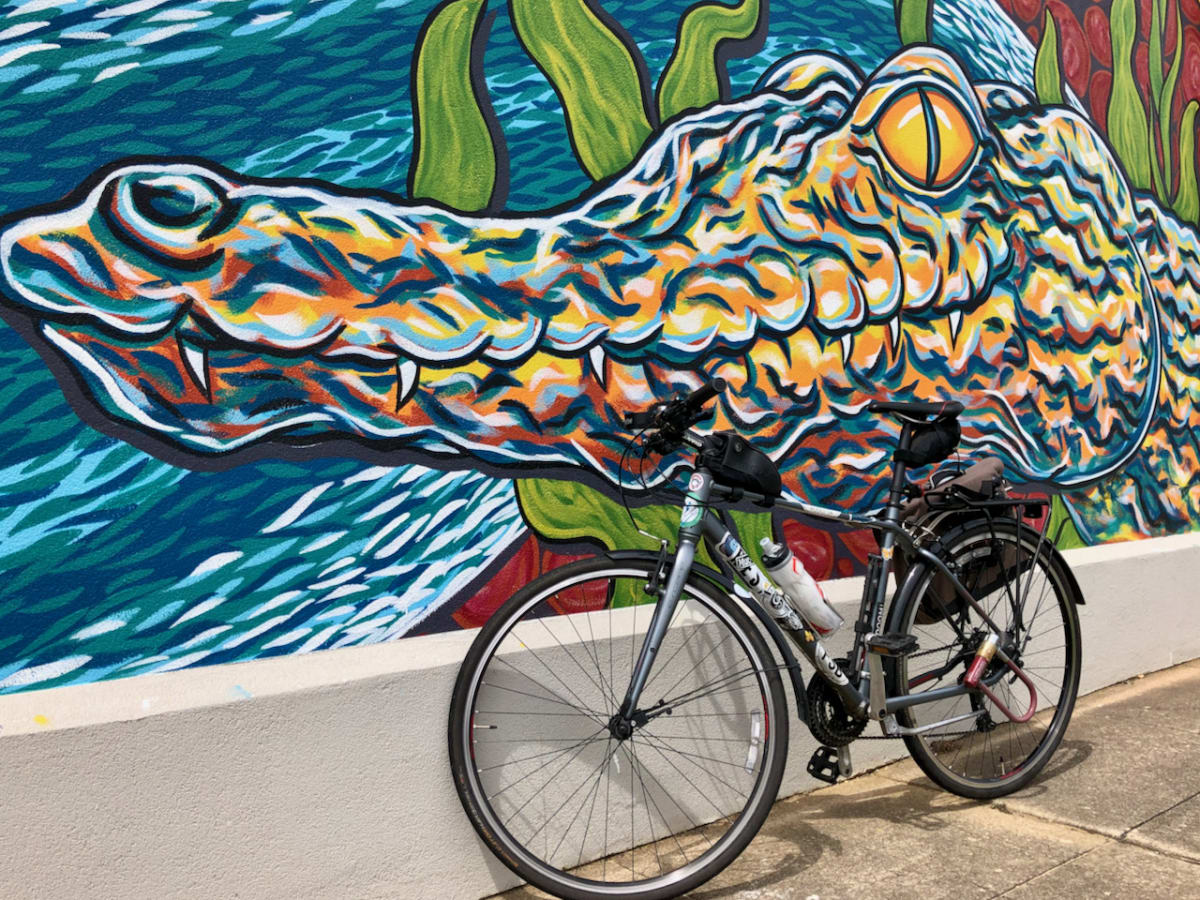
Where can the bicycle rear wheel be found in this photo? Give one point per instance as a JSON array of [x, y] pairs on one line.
[[1033, 599], [555, 789]]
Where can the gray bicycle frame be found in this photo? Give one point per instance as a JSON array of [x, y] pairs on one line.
[[698, 522]]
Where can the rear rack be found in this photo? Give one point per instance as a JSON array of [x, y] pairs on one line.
[[959, 498]]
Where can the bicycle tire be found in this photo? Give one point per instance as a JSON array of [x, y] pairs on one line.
[[744, 727], [992, 756]]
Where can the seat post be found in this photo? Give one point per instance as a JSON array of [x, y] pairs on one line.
[[899, 469]]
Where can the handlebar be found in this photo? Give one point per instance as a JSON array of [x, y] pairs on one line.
[[701, 395], [671, 419]]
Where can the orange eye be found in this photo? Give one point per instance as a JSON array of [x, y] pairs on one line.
[[927, 137]]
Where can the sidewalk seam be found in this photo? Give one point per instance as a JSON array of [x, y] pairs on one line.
[[1161, 812], [1079, 855], [1002, 806]]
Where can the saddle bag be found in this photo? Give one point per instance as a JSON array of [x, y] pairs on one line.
[[931, 443]]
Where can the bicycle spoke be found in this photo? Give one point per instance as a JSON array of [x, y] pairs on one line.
[[587, 713], [581, 744], [557, 677]]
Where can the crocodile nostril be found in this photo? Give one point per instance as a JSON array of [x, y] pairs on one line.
[[173, 202]]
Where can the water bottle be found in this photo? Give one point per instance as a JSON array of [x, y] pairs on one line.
[[793, 579]]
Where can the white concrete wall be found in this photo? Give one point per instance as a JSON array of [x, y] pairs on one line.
[[326, 775]]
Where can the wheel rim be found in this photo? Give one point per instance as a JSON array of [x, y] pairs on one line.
[[554, 779], [993, 750]]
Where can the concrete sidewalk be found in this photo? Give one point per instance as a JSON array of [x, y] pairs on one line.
[[1116, 813]]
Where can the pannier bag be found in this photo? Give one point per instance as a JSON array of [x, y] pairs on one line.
[[984, 478]]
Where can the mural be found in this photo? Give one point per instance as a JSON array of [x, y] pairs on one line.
[[322, 317]]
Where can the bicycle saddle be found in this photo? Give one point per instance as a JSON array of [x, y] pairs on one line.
[[918, 411]]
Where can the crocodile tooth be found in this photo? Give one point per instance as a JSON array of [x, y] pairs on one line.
[[847, 346], [195, 360], [407, 374], [596, 357], [955, 326]]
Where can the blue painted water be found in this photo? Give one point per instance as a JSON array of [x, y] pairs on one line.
[[113, 563]]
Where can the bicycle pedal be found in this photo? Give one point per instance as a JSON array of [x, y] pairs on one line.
[[823, 765], [891, 644]]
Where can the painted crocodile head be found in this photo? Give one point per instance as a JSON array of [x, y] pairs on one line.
[[828, 240]]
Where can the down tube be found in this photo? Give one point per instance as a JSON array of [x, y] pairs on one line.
[[727, 547]]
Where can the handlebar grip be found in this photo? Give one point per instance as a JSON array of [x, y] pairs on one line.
[[705, 392]]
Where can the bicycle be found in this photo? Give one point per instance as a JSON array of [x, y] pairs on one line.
[[619, 727]]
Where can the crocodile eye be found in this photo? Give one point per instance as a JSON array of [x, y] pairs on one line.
[[172, 202], [927, 137], [169, 214]]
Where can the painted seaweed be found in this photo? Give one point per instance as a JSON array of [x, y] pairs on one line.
[[1187, 198], [595, 72], [691, 80], [1127, 126], [914, 21], [455, 154], [1047, 74]]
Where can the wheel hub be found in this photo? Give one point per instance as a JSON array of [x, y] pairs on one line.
[[620, 727]]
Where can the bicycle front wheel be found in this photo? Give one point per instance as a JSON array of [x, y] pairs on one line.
[[1028, 591], [559, 792]]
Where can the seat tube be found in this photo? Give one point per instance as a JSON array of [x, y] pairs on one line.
[[694, 508], [895, 498], [876, 585]]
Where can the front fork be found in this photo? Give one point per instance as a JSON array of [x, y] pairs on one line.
[[696, 522], [690, 528]]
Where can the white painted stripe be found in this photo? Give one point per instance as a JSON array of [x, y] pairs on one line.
[[297, 509], [45, 672], [216, 561]]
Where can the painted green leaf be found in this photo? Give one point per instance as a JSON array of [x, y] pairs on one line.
[[1156, 85], [569, 511], [752, 527], [694, 77], [914, 21], [1127, 127], [1047, 76], [1187, 200], [1166, 106], [595, 75], [1060, 525], [454, 159]]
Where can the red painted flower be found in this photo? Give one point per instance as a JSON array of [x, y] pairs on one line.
[[1098, 93], [1073, 49], [1095, 25], [812, 547]]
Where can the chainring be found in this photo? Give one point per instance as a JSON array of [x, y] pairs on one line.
[[828, 719]]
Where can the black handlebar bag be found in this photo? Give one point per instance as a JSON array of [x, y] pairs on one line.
[[734, 463]]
